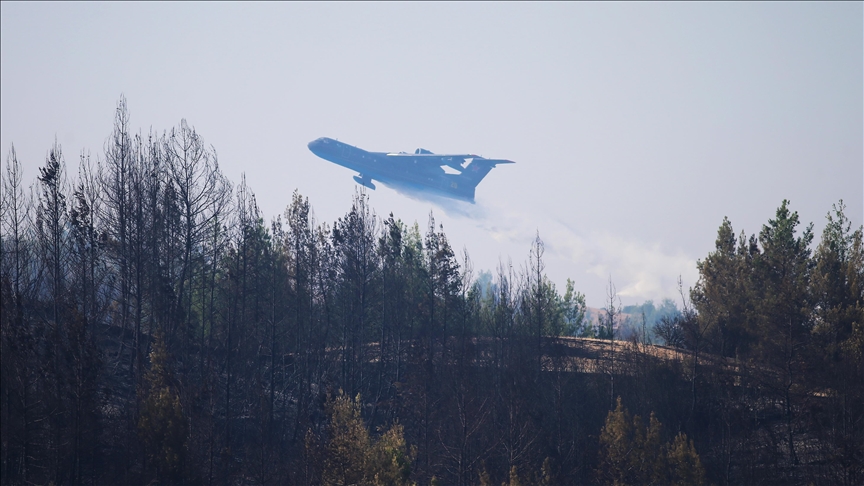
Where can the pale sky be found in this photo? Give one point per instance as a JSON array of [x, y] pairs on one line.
[[635, 127]]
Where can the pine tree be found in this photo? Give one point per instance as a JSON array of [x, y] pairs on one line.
[[783, 272], [617, 440], [391, 458], [353, 457], [720, 296], [634, 454], [837, 361], [162, 424], [685, 467], [348, 445]]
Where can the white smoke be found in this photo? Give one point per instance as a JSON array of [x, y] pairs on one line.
[[640, 270]]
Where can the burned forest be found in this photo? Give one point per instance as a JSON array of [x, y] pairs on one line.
[[157, 328]]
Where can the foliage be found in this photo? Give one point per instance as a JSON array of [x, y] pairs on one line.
[[574, 311], [353, 457], [684, 465], [162, 425], [633, 453]]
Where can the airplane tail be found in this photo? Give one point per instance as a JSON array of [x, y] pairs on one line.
[[477, 169]]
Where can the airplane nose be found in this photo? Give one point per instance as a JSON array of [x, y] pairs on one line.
[[321, 142], [316, 146]]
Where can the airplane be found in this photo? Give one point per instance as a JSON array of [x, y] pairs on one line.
[[453, 176]]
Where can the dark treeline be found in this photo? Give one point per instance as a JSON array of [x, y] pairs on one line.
[[156, 329]]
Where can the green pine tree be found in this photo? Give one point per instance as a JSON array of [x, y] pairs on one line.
[[685, 467], [632, 453], [354, 457]]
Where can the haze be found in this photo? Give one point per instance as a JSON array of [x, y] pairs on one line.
[[635, 127]]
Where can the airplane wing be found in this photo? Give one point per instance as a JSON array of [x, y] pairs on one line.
[[495, 161], [431, 157], [456, 161]]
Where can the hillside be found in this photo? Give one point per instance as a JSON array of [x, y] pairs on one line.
[[157, 330]]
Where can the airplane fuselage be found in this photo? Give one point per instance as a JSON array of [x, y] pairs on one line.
[[420, 171]]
